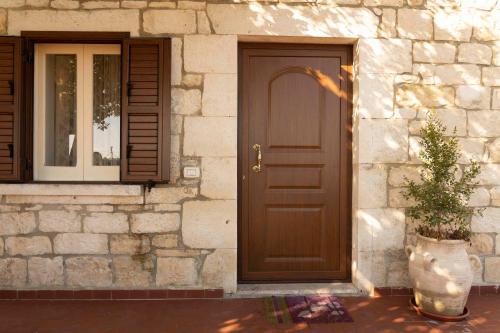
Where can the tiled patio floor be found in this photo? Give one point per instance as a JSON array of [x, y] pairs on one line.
[[384, 314]]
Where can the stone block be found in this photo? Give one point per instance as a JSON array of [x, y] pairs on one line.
[[209, 224], [133, 272], [108, 223], [397, 175], [452, 26], [473, 97], [13, 272], [487, 27], [28, 246], [219, 54], [439, 53], [375, 95], [74, 20], [170, 194], [210, 136], [372, 176], [65, 4], [219, 177], [3, 21], [483, 123], [192, 80], [497, 242], [176, 272], [159, 21], [59, 221], [494, 151], [390, 3], [384, 56], [186, 102], [472, 149], [474, 53], [99, 208], [129, 244], [495, 103], [13, 3], [88, 272], [488, 222], [134, 4], [425, 73], [415, 24], [457, 74], [481, 244], [165, 241], [176, 67], [281, 20], [72, 200], [388, 24], [413, 95], [492, 269], [397, 199], [17, 223], [203, 23], [491, 76], [163, 4], [167, 208], [37, 3], [219, 270], [79, 243], [145, 223], [455, 120], [58, 190], [220, 95], [100, 4], [197, 5], [45, 272], [380, 229], [383, 141], [490, 175]]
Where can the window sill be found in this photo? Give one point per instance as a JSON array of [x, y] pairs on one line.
[[41, 189]]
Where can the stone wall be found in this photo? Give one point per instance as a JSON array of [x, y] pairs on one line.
[[411, 56]]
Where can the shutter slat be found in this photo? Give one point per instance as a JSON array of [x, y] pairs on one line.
[[146, 110], [10, 108]]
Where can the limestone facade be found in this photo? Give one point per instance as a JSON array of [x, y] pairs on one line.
[[410, 56]]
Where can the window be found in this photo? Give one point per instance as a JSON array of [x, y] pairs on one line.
[[77, 112], [82, 107]]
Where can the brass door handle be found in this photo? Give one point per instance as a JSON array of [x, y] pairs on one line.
[[256, 168]]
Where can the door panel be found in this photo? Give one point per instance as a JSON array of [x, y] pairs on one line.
[[295, 212]]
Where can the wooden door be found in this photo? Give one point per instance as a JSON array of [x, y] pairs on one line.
[[294, 222]]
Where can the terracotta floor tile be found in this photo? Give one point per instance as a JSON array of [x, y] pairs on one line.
[[371, 315]]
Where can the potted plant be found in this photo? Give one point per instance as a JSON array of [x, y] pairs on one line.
[[440, 270]]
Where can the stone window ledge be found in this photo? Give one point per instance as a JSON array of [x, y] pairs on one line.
[[70, 190]]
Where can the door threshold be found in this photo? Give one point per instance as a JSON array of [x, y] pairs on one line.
[[280, 289]]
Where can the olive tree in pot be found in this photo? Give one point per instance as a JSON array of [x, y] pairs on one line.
[[440, 270]]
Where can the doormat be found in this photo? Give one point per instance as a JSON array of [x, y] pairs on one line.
[[306, 309]]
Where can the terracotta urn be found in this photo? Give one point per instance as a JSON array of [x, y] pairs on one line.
[[441, 273]]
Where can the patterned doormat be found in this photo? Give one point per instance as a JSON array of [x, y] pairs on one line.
[[306, 309]]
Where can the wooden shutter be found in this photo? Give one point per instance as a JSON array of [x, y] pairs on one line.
[[145, 137], [10, 108]]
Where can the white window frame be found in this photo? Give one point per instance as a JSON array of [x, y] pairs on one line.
[[84, 169]]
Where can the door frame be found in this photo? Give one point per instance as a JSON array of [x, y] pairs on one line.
[[243, 123]]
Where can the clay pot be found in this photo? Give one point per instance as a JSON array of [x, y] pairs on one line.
[[441, 273]]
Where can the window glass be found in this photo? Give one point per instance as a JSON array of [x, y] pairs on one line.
[[60, 110], [106, 110]]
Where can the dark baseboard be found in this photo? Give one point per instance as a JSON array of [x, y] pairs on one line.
[[111, 294], [394, 291]]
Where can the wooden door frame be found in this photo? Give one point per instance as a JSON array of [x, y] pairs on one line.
[[243, 122]]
